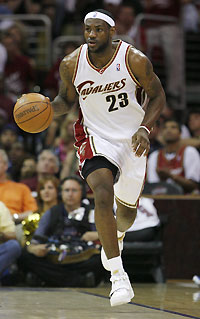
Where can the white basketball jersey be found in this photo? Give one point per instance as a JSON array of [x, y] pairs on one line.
[[107, 96]]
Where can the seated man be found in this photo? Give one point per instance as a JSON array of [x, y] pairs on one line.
[[71, 223], [16, 196], [47, 164], [9, 247], [175, 163]]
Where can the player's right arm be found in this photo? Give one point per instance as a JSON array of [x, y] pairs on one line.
[[67, 93]]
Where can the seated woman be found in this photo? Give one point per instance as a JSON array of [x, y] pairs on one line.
[[47, 198]]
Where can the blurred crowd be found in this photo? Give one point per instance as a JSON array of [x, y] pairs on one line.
[[33, 163]]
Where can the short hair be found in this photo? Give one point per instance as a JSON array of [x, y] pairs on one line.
[[51, 152], [105, 12], [194, 110], [79, 180], [174, 120], [4, 156]]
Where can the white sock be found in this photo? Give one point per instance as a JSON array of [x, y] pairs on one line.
[[115, 265], [120, 234]]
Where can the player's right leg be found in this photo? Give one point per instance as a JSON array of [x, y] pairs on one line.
[[101, 183]]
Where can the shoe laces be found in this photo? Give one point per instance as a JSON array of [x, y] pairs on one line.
[[115, 278]]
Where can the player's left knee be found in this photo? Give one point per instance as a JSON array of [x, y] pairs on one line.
[[127, 212]]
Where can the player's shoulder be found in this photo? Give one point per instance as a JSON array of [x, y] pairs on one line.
[[136, 54], [69, 61], [71, 58], [137, 59]]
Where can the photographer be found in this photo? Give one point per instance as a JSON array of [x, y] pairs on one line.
[[59, 254]]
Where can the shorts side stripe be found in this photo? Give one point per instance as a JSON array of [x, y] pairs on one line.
[[126, 204], [92, 144]]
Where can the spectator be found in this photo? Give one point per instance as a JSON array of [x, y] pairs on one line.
[[126, 19], [70, 220], [145, 224], [15, 6], [16, 155], [113, 6], [64, 143], [194, 122], [70, 166], [173, 163], [190, 16], [167, 35], [6, 104], [19, 74], [52, 9], [9, 135], [16, 196], [52, 80], [9, 247], [47, 197], [4, 8], [155, 143], [28, 168], [17, 30], [47, 164], [194, 127]]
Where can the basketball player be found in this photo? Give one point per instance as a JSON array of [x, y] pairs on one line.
[[112, 132]]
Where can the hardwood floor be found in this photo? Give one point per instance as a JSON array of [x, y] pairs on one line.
[[176, 299]]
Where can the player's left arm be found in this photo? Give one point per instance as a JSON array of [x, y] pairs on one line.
[[142, 69]]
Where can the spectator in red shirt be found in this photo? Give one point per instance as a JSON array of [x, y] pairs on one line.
[[19, 74]]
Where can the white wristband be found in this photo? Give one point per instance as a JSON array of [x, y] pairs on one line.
[[146, 128]]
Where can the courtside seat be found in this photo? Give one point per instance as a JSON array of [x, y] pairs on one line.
[[145, 258]]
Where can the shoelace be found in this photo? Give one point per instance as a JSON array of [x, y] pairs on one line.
[[115, 278]]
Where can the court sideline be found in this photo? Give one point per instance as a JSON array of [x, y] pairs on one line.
[[163, 301]]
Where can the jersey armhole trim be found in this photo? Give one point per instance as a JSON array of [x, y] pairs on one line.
[[128, 67], [76, 64]]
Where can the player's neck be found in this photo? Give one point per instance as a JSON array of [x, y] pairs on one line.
[[100, 59]]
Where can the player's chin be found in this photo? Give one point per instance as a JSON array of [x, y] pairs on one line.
[[92, 47]]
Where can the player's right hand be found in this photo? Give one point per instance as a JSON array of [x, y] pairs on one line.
[[140, 143]]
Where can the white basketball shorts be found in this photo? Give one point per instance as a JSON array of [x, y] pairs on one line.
[[132, 168]]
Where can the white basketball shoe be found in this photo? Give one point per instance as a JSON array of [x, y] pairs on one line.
[[122, 291], [104, 259]]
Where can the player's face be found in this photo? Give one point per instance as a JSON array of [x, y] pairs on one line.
[[97, 35], [171, 132]]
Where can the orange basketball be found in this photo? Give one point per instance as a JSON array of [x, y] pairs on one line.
[[33, 112]]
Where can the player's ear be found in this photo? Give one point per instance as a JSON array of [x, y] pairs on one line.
[[112, 31]]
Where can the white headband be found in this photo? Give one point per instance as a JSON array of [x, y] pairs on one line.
[[100, 15]]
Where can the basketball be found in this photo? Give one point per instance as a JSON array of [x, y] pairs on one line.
[[33, 112]]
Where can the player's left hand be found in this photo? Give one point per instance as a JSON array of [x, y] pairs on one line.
[[140, 143]]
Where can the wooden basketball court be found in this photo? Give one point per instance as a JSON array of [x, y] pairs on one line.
[[163, 301]]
